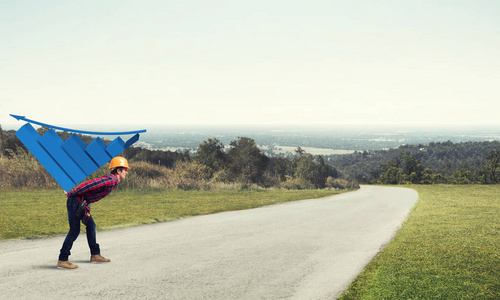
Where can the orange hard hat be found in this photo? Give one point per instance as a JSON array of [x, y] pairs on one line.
[[119, 162]]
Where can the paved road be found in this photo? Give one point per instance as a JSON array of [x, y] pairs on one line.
[[308, 249]]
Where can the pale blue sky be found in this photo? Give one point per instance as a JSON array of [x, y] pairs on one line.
[[250, 62]]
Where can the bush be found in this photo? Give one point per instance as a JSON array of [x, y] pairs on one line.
[[147, 170], [463, 177], [296, 184], [222, 176], [192, 170], [268, 181], [21, 169], [342, 183]]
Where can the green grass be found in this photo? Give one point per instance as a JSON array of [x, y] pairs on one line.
[[41, 213], [449, 248]]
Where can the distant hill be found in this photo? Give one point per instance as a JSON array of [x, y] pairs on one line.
[[444, 158]]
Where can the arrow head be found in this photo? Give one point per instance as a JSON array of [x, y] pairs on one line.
[[18, 117]]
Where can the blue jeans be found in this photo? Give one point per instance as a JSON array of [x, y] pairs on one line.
[[74, 230]]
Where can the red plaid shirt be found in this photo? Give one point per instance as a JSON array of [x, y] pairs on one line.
[[94, 190]]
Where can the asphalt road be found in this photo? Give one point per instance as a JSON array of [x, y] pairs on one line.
[[309, 249]]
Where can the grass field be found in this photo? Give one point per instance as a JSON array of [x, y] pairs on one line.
[[449, 248], [34, 213]]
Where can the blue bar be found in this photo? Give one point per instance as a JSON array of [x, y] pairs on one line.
[[132, 140], [75, 148], [53, 145], [116, 147], [30, 138], [97, 150]]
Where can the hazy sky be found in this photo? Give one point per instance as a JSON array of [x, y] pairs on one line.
[[197, 62]]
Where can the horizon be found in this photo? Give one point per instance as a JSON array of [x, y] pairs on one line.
[[397, 127], [323, 140]]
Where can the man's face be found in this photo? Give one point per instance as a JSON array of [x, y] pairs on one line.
[[122, 173]]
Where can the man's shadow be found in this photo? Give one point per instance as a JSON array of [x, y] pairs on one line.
[[54, 266]]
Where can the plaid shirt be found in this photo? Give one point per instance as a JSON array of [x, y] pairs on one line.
[[94, 190]]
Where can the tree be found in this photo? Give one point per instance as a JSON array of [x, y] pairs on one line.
[[391, 176], [2, 138], [211, 154], [412, 168], [312, 170], [463, 177], [300, 151], [10, 141], [492, 168], [246, 162], [155, 157], [405, 168], [428, 177], [281, 167]]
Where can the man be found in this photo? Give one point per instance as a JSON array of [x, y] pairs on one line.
[[90, 191]]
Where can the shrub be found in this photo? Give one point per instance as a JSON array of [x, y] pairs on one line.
[[342, 183], [222, 176], [21, 169], [463, 177], [192, 170], [296, 184]]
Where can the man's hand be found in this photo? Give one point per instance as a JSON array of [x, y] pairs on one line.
[[66, 193]]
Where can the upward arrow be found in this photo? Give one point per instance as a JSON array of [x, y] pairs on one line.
[[23, 118], [17, 117]]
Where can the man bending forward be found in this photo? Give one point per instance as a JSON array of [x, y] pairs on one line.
[[90, 191]]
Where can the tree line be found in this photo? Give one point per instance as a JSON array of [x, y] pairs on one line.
[[241, 162], [446, 162]]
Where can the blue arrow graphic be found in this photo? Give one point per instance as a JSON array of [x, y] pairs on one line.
[[23, 118], [70, 161]]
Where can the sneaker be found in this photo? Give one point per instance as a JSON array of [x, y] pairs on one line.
[[66, 265], [98, 258]]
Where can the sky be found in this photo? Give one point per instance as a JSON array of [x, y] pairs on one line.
[[153, 62]]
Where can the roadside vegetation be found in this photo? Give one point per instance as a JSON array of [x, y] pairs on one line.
[[242, 166], [447, 249]]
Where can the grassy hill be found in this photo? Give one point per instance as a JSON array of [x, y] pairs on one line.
[[447, 249]]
